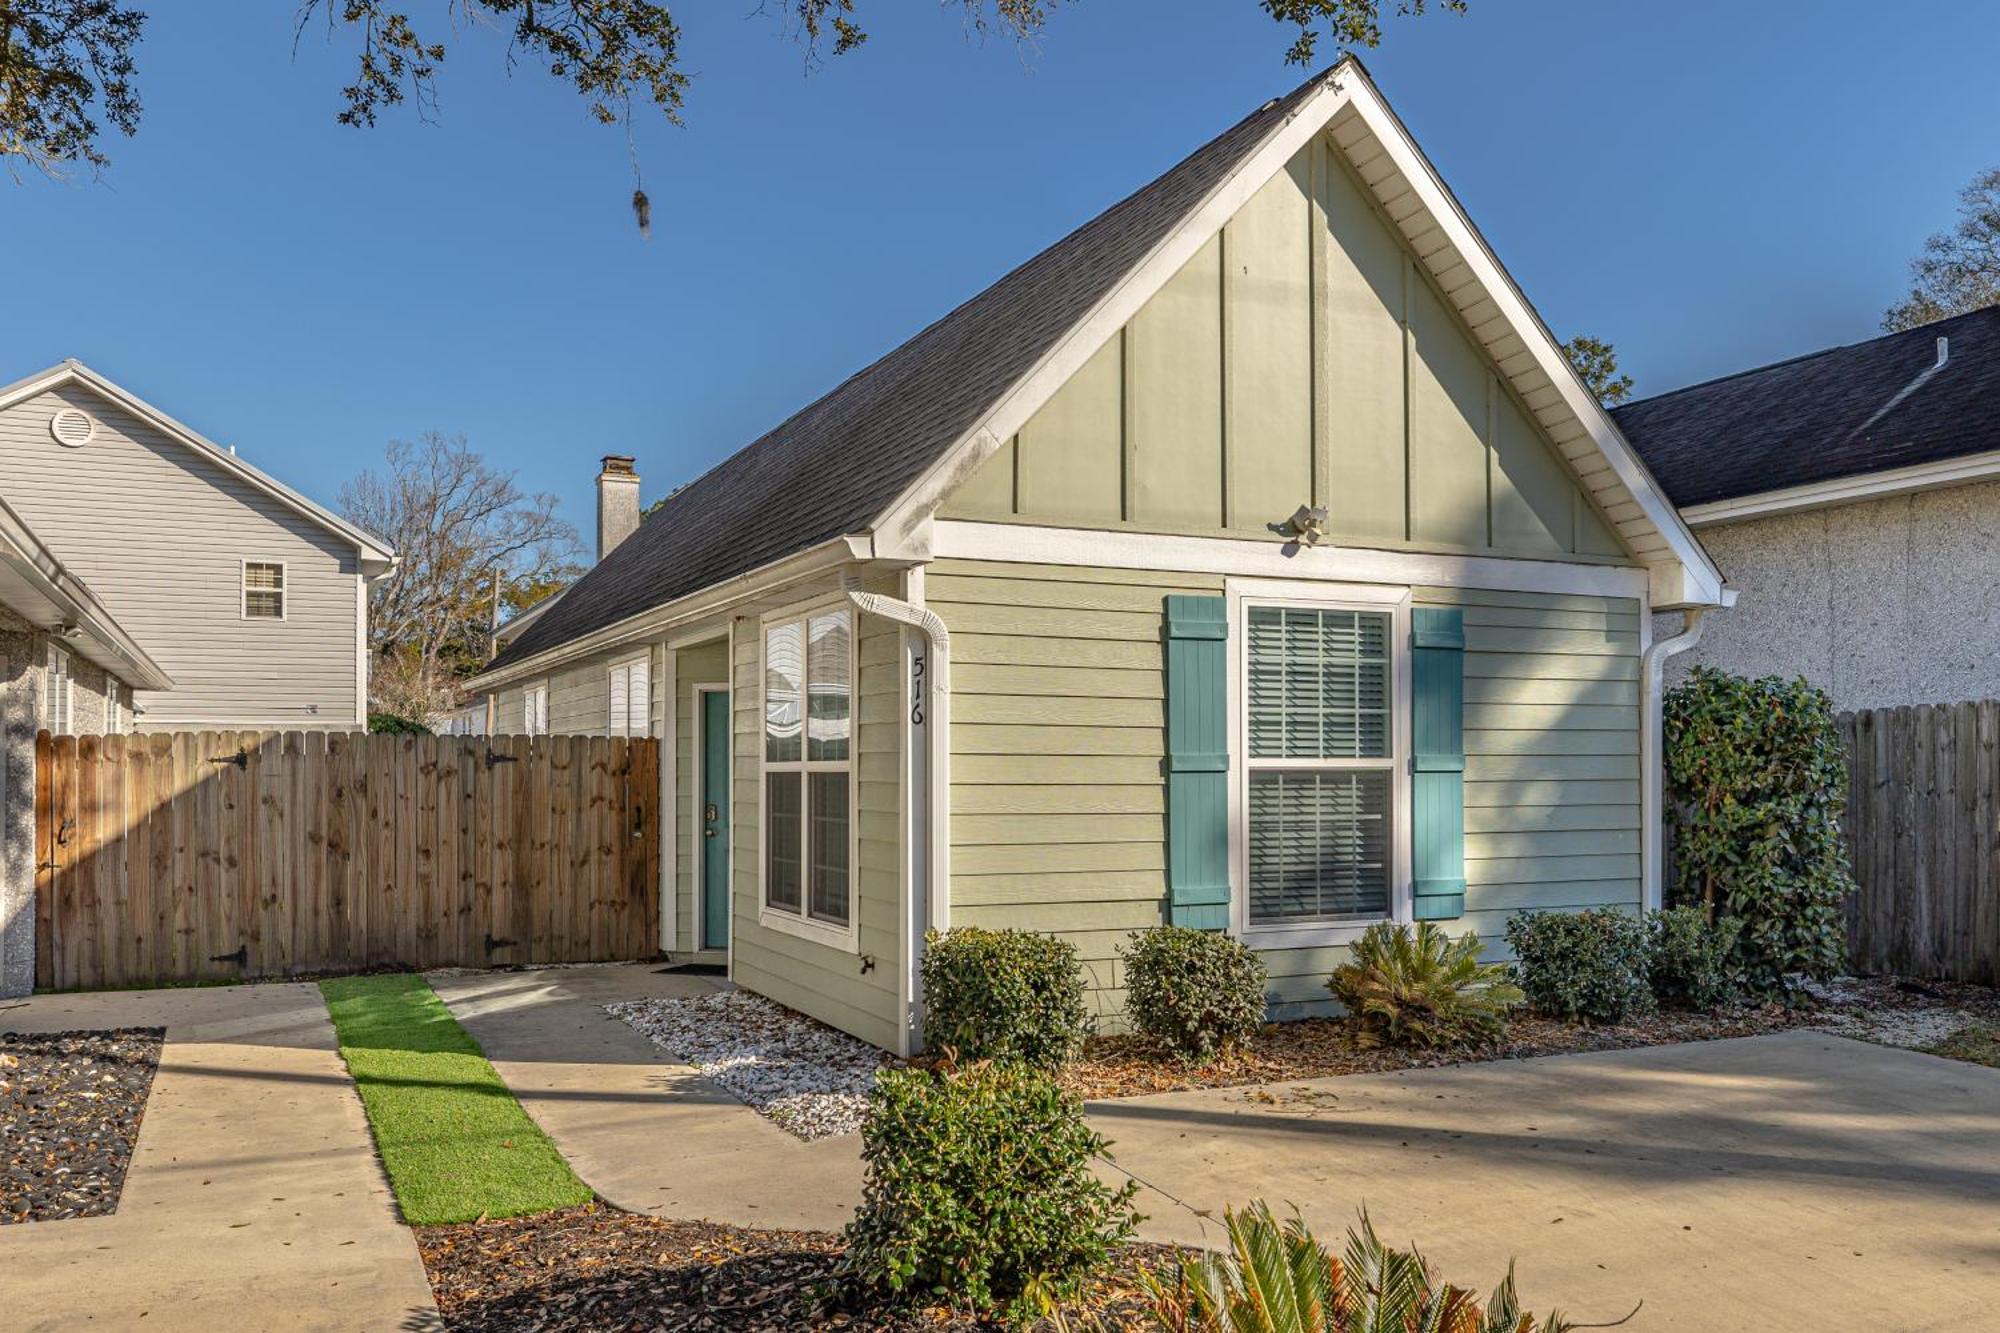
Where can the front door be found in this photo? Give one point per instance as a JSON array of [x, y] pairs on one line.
[[714, 813]]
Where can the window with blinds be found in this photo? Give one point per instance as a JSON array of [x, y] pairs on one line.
[[60, 707], [263, 590], [1320, 764], [808, 770], [631, 692], [535, 711]]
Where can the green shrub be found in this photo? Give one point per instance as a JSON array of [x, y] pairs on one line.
[[1196, 990], [1755, 786], [1277, 1278], [391, 724], [1003, 994], [979, 1190], [1422, 989], [1588, 965], [1692, 964]]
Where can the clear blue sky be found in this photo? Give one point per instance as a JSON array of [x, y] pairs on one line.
[[1708, 184]]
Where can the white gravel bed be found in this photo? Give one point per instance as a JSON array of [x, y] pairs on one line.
[[807, 1078], [1850, 1013]]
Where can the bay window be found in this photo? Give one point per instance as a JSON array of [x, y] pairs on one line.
[[808, 773]]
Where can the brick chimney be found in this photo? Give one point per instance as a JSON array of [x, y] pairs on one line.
[[617, 502]]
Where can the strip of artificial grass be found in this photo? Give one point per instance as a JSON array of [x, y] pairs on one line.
[[455, 1143]]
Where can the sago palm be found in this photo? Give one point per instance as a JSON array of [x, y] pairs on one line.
[[1423, 988]]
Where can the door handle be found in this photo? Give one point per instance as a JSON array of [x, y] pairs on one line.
[[708, 833]]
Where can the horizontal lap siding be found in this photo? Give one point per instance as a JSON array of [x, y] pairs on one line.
[[827, 983], [1058, 797], [705, 664]]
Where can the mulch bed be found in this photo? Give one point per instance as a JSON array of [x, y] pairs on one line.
[[595, 1269], [1132, 1066], [70, 1106]]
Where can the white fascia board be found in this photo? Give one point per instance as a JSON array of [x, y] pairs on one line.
[[1845, 490], [1246, 558], [377, 558], [697, 605], [898, 531], [1703, 579]]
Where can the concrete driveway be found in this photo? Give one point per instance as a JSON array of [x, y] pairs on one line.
[[253, 1200], [1800, 1181]]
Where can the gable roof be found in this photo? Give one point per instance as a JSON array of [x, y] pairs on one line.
[[1867, 407], [878, 452], [376, 555]]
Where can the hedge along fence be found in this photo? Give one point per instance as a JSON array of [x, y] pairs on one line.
[[1923, 830], [213, 855]]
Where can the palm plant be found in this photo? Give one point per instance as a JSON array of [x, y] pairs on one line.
[[1422, 988], [1276, 1278]]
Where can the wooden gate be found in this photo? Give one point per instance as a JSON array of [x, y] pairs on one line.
[[190, 856]]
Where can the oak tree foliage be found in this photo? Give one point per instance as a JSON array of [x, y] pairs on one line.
[[1958, 271], [1596, 361]]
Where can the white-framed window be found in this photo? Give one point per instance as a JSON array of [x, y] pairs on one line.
[[631, 694], [808, 775], [263, 590], [114, 707], [535, 710], [61, 699], [1321, 800]]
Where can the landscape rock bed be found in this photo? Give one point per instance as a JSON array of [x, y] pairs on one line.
[[594, 1268], [70, 1107], [806, 1077]]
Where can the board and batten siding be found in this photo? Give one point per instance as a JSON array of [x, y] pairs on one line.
[[856, 993], [160, 535], [1301, 357], [702, 664], [1058, 805]]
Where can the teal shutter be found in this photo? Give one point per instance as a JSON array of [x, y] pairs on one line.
[[1198, 762], [1437, 787]]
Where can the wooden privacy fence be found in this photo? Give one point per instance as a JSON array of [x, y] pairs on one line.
[[224, 854], [1923, 828]]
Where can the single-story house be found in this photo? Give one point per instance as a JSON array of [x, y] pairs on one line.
[[1251, 558], [1853, 497], [249, 597]]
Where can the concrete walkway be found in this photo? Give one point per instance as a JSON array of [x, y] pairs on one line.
[[254, 1199], [649, 1135], [1792, 1181]]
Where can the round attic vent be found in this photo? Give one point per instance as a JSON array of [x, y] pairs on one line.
[[72, 427]]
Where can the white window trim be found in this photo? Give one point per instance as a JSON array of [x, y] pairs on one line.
[[114, 721], [534, 720], [801, 926], [284, 588], [623, 727], [698, 695], [1241, 594], [61, 710]]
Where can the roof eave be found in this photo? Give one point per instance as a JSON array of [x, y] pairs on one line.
[[102, 639]]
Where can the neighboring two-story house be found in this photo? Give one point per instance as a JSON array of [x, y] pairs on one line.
[[156, 581]]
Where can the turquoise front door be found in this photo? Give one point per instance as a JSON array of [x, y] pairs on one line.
[[714, 819]]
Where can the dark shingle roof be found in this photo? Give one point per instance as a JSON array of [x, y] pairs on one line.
[[1819, 417], [835, 466]]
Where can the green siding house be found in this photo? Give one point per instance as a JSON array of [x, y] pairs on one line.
[[1251, 559]]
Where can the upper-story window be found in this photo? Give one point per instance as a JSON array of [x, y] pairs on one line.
[[263, 590], [631, 692], [808, 770], [61, 698]]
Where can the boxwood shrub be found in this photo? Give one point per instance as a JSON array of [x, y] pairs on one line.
[[1588, 965], [979, 1191], [1692, 964], [1195, 990], [1003, 994]]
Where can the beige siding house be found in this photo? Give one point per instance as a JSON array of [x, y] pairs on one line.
[[1250, 559], [249, 596]]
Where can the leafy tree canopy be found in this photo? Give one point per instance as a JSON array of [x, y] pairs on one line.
[[66, 63], [1958, 270], [1597, 362]]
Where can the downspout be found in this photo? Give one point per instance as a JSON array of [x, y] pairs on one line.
[[1652, 776], [930, 865]]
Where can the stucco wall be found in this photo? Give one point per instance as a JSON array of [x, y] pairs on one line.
[[1880, 603]]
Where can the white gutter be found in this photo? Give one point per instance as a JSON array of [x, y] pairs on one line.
[[929, 828], [1652, 775]]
